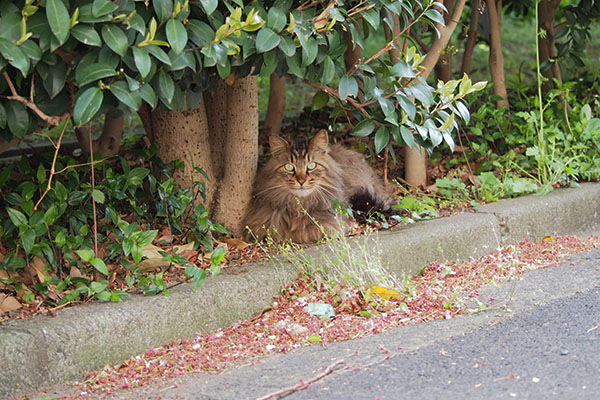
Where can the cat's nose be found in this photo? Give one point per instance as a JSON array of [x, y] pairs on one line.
[[301, 181]]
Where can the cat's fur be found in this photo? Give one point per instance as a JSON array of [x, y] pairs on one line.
[[321, 173]]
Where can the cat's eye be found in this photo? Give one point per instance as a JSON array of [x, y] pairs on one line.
[[289, 167], [311, 166]]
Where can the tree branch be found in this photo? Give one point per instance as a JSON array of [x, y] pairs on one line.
[[53, 120]]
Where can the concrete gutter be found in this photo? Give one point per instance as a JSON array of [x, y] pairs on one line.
[[45, 351]]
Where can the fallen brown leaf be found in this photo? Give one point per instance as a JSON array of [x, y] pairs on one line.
[[10, 304]]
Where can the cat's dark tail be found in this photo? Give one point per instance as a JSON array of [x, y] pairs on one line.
[[364, 201]]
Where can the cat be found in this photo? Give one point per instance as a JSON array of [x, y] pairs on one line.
[[294, 193]]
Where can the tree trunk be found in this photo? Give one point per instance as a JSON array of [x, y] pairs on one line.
[[415, 159], [234, 191], [224, 143], [443, 68], [496, 59], [109, 142], [547, 46], [471, 38], [276, 108]]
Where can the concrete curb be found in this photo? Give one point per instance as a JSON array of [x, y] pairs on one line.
[[44, 351]]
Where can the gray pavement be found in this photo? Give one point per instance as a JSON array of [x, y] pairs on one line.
[[43, 351]]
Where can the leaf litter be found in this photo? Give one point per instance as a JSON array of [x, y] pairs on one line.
[[438, 291]]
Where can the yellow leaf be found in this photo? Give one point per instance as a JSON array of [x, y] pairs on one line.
[[548, 238], [385, 293], [315, 339]]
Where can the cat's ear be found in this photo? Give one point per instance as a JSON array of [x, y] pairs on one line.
[[278, 144], [319, 141]]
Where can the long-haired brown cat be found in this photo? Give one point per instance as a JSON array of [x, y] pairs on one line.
[[294, 193]]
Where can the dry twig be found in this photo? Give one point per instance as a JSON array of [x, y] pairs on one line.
[[303, 384]]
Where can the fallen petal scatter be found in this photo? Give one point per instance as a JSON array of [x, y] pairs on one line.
[[439, 291]]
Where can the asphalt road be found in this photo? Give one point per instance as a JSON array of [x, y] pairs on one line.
[[539, 339]]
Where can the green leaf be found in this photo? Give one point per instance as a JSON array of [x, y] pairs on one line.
[[100, 266], [16, 217], [209, 5], [51, 214], [14, 55], [276, 19], [93, 72], [310, 49], [144, 238], [266, 40], [163, 9], [86, 255], [407, 136], [10, 26], [217, 256], [17, 118], [121, 91], [402, 70], [382, 138], [142, 61], [166, 86], [320, 100], [87, 105], [435, 16], [115, 38], [58, 19], [288, 46], [28, 239], [158, 53], [328, 71], [363, 128], [148, 95], [103, 7], [200, 33], [98, 196], [176, 35], [347, 87], [55, 78], [86, 34]]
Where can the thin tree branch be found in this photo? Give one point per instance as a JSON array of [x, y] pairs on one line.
[[53, 120]]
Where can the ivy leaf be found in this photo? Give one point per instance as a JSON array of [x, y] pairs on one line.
[[347, 87], [266, 40], [115, 38], [176, 35], [58, 19], [87, 105]]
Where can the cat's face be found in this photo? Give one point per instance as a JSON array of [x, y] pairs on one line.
[[300, 165]]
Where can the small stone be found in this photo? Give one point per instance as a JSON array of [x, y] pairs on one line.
[[564, 351], [535, 380]]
